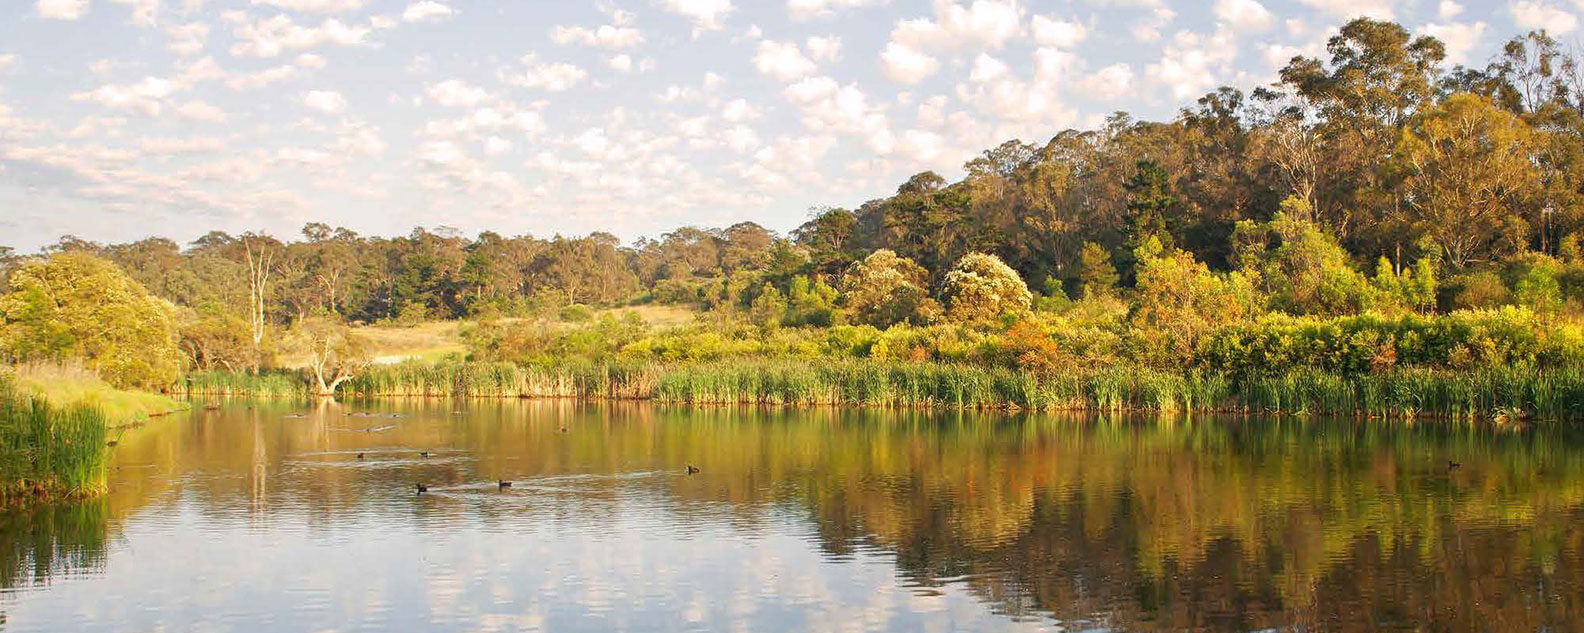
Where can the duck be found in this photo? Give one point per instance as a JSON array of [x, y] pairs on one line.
[[423, 454], [503, 484], [1451, 465], [111, 443], [422, 489], [360, 456], [693, 470], [563, 429]]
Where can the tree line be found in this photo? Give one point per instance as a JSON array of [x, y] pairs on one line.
[[1374, 179]]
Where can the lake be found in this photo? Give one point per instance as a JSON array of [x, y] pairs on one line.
[[266, 518]]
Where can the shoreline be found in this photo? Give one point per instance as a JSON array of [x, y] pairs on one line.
[[1506, 394]]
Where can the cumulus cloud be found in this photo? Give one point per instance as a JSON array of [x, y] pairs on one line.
[[1348, 9], [805, 9], [455, 93], [907, 64], [1458, 38], [274, 36], [313, 6], [1192, 63], [1536, 15], [621, 34], [824, 49], [1244, 14], [187, 39], [707, 15], [62, 9], [324, 101], [197, 110], [427, 11], [552, 77], [1057, 33], [984, 24], [782, 60]]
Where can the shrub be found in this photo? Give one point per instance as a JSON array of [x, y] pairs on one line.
[[886, 288], [981, 288]]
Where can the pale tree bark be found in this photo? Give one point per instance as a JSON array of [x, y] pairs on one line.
[[259, 260]]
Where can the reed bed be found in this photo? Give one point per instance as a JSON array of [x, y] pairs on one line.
[[47, 451], [1505, 393]]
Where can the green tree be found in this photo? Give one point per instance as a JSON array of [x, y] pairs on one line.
[[885, 289], [78, 307], [768, 308], [981, 288], [1466, 166], [1095, 271]]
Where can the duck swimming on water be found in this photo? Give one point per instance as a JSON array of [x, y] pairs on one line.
[[692, 470], [1451, 465], [503, 484], [422, 489]]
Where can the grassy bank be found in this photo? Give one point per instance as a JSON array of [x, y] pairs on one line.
[[48, 451], [1507, 392], [55, 424]]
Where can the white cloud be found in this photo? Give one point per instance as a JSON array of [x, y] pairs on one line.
[[1109, 83], [782, 60], [1057, 33], [1458, 38], [1192, 63], [455, 93], [554, 77], [325, 101], [313, 6], [622, 63], [907, 64], [739, 110], [804, 9], [605, 36], [706, 14], [262, 78], [1244, 14], [825, 49], [62, 9], [170, 146], [273, 36], [984, 23], [1535, 15], [201, 111], [1348, 9], [1448, 9], [187, 39], [495, 146], [427, 11]]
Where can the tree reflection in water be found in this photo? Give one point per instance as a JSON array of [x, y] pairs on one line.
[[1178, 523]]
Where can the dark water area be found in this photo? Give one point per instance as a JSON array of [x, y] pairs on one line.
[[251, 518]]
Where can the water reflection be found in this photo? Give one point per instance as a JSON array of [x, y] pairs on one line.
[[246, 519]]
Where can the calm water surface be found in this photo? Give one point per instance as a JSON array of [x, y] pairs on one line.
[[255, 519]]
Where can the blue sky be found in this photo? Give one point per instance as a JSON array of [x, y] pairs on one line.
[[121, 119]]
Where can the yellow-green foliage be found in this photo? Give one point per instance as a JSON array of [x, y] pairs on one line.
[[76, 307], [1178, 301], [981, 288], [883, 289], [1362, 344]]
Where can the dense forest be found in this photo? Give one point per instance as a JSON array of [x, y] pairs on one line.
[[1377, 183]]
